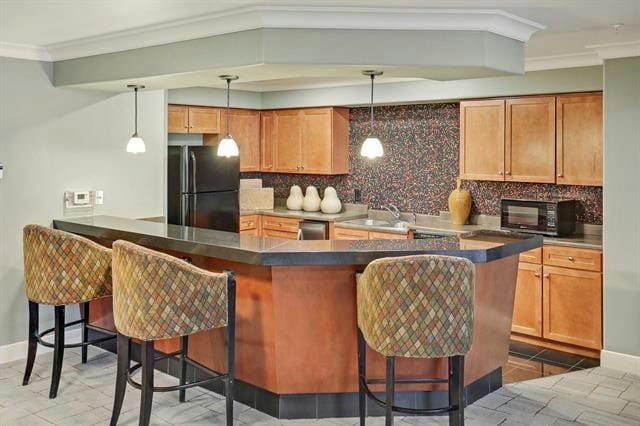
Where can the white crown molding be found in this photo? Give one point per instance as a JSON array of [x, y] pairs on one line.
[[493, 21], [571, 60], [624, 49], [24, 51]]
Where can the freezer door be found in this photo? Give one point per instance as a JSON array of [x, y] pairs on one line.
[[206, 172], [212, 210]]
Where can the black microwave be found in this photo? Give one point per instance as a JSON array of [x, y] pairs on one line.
[[553, 217]]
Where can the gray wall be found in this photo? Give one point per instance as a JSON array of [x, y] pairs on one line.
[[621, 206], [56, 139]]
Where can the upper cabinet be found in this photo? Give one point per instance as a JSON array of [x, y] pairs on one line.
[[245, 129], [539, 139], [311, 140], [530, 145], [482, 140], [266, 141], [193, 119], [579, 139]]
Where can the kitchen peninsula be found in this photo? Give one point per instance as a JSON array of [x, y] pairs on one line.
[[296, 311]]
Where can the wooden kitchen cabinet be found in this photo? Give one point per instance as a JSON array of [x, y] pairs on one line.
[[374, 235], [482, 126], [280, 227], [572, 306], [250, 225], [350, 234], [245, 129], [266, 141], [527, 308], [310, 140], [530, 145], [193, 119], [579, 139], [574, 258]]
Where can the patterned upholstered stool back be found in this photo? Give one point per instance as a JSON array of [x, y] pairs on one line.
[[417, 306], [62, 268], [157, 296]]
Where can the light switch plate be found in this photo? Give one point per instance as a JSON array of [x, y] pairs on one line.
[[99, 197]]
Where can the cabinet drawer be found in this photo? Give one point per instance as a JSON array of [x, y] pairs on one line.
[[255, 232], [574, 258], [350, 234], [280, 224], [280, 234], [249, 222], [532, 256], [386, 236]]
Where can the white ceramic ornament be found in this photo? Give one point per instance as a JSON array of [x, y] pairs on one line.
[[311, 201], [330, 203], [294, 202]]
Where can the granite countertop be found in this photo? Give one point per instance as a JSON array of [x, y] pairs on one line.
[[324, 217], [435, 224], [276, 251]]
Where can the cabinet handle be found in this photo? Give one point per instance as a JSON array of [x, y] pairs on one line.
[[546, 276], [500, 173], [571, 258], [537, 275], [302, 167], [507, 173], [560, 175]]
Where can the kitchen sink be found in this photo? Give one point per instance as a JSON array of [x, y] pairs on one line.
[[368, 222], [398, 224]]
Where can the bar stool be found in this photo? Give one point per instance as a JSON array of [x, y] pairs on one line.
[[157, 296], [416, 307], [62, 269]]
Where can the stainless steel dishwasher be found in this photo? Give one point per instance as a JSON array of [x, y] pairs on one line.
[[313, 230]]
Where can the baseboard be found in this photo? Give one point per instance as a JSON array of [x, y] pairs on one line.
[[618, 361], [18, 350]]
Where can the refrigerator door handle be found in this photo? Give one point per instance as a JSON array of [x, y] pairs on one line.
[[184, 210], [193, 209], [193, 171]]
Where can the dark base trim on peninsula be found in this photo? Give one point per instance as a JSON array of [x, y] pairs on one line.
[[315, 406]]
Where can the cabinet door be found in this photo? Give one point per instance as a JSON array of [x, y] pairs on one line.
[[482, 140], [579, 140], [316, 141], [287, 140], [266, 141], [530, 140], [245, 129], [572, 306], [527, 307], [178, 119], [204, 120], [373, 235], [350, 234]]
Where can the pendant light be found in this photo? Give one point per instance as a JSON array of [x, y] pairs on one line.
[[227, 146], [371, 147], [136, 144]]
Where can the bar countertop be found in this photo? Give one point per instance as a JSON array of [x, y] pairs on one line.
[[479, 246]]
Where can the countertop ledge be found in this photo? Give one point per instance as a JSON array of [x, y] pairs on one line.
[[299, 214], [276, 251]]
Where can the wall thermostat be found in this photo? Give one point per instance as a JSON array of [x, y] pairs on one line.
[[77, 199]]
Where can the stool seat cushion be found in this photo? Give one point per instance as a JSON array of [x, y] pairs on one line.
[[157, 296], [417, 306], [61, 268]]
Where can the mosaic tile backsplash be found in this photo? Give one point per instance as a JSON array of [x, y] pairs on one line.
[[420, 165]]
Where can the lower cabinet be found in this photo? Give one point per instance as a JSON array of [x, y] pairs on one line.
[[560, 306], [572, 303], [250, 225], [280, 227], [527, 308], [361, 234]]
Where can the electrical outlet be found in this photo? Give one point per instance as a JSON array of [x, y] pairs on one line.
[[357, 195]]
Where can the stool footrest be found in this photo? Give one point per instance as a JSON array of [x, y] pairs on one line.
[[406, 410], [406, 381], [39, 336]]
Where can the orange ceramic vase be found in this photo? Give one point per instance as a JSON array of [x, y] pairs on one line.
[[459, 204]]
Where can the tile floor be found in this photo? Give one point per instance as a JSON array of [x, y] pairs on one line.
[[594, 396]]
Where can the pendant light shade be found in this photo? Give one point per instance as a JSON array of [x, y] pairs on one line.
[[227, 146], [371, 147], [136, 144]]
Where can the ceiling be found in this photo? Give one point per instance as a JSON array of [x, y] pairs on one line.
[[570, 24]]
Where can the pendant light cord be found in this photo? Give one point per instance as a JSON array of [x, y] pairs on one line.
[[371, 120], [228, 122], [135, 91]]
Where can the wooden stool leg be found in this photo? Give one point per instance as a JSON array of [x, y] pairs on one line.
[[184, 349], [84, 313], [58, 350], [391, 366], [33, 341], [124, 355], [362, 376], [230, 337], [456, 390], [146, 357]]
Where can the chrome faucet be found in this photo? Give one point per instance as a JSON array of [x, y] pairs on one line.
[[393, 210]]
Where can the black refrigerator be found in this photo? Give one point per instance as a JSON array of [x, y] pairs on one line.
[[203, 188]]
